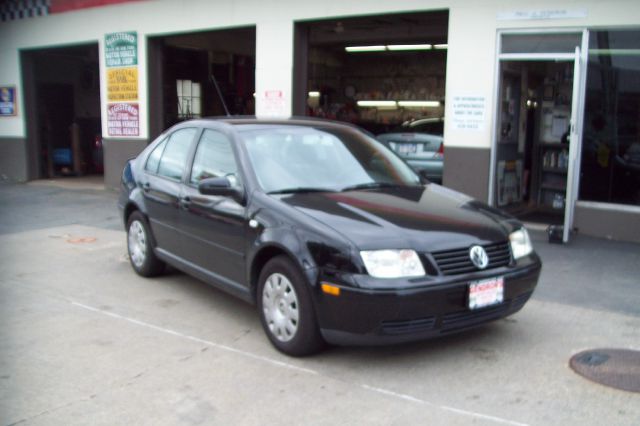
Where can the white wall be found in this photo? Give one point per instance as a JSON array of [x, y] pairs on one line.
[[470, 63]]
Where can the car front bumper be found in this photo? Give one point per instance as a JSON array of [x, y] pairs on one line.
[[370, 317]]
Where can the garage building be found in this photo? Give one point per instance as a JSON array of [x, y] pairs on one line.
[[538, 103]]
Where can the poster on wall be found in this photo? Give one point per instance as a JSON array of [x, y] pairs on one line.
[[122, 84], [468, 113], [7, 101], [121, 49], [123, 119]]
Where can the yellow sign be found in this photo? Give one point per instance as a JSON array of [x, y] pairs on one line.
[[122, 84]]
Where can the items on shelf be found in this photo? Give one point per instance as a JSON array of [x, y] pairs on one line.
[[554, 159]]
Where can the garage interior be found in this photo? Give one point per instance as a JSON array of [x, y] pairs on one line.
[[190, 74], [373, 71], [62, 104]]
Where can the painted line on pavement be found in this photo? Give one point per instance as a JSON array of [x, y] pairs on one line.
[[282, 364], [196, 339], [443, 407]]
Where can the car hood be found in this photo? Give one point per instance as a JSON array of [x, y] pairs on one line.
[[429, 218]]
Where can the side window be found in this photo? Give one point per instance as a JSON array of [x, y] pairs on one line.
[[214, 157], [154, 158], [175, 154]]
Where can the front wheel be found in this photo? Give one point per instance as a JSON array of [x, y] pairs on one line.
[[143, 259], [286, 309]]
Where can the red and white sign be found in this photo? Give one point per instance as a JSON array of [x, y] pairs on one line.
[[274, 104], [123, 119]]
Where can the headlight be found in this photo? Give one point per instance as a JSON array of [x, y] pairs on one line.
[[392, 263], [520, 243]]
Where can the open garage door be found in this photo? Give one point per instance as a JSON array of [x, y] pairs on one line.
[[62, 105], [191, 73], [385, 73]]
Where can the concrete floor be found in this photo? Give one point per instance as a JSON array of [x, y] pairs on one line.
[[85, 340]]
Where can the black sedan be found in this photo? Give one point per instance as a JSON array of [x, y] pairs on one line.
[[333, 236]]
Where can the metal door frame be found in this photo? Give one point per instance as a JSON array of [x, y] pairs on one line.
[[577, 108]]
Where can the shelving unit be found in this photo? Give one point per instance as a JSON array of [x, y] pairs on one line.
[[552, 184]]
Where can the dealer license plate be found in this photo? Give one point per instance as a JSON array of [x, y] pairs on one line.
[[486, 293]]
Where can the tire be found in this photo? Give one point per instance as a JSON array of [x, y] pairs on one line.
[[140, 247], [286, 309]]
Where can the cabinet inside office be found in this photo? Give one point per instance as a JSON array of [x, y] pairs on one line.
[[533, 140]]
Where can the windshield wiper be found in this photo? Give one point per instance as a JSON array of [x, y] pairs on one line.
[[300, 189]]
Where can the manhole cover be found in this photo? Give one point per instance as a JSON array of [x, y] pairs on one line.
[[617, 368]]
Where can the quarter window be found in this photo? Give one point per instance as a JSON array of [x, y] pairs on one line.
[[175, 154], [154, 158], [214, 157]]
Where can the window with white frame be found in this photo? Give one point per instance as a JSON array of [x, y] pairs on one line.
[[189, 105]]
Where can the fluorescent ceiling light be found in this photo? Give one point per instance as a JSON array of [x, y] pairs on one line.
[[314, 94], [419, 104], [378, 104], [365, 48], [409, 47], [440, 46]]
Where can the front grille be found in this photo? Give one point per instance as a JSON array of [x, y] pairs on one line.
[[464, 319], [408, 326], [460, 320], [454, 262], [455, 321]]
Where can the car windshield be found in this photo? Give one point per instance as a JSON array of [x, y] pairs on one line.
[[291, 158]]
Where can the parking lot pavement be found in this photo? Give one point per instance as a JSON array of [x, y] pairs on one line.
[[85, 340]]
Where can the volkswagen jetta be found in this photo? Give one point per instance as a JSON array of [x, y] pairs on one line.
[[332, 235]]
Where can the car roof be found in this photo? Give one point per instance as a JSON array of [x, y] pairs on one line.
[[268, 121]]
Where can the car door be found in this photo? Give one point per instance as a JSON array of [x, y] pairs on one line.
[[162, 186], [214, 226]]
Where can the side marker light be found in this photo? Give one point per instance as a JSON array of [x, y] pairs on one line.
[[330, 289]]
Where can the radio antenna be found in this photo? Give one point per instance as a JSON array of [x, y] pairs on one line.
[[224, 104]]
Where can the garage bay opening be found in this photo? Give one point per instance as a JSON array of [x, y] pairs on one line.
[[62, 103], [385, 73], [191, 74]]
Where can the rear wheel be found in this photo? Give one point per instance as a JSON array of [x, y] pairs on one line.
[[141, 255], [286, 309]]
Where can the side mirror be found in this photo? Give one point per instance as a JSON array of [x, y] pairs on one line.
[[221, 186]]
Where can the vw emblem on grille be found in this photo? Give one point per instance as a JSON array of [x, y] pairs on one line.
[[478, 257]]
